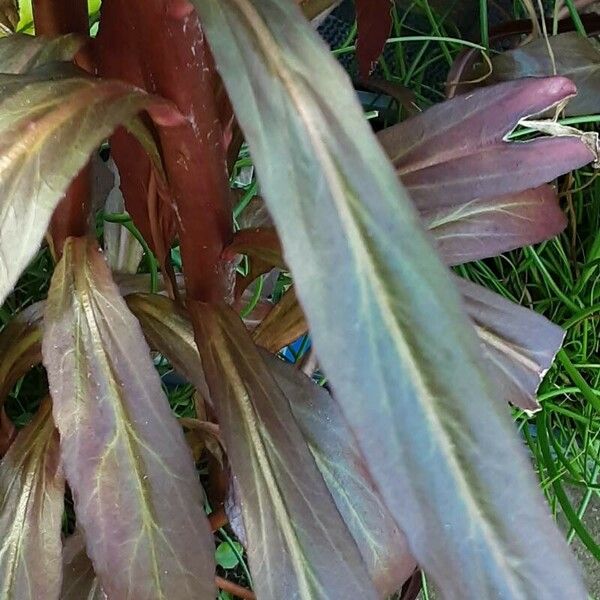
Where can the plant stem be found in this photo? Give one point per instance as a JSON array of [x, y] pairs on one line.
[[235, 589]]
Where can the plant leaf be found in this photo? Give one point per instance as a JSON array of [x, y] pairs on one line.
[[385, 318], [374, 20], [9, 14], [32, 490], [37, 116], [79, 580], [298, 545], [134, 484], [455, 152], [483, 228], [284, 324], [20, 347], [21, 53], [575, 57], [518, 344], [167, 329], [382, 545]]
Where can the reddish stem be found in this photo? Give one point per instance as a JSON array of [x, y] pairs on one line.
[[218, 519], [52, 18], [57, 17], [235, 589]]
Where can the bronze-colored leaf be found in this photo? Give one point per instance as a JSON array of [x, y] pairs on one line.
[[49, 125], [32, 489], [284, 324], [298, 545], [135, 488], [9, 14]]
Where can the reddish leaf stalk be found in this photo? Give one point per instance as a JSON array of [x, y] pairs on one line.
[[52, 18], [233, 588]]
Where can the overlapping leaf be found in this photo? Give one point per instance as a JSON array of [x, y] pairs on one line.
[[332, 443], [455, 151], [168, 330], [283, 325], [32, 490], [480, 229], [298, 545], [382, 544], [519, 344], [136, 492], [79, 580], [384, 315], [574, 56], [48, 128]]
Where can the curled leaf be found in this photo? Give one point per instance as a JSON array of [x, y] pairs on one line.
[[20, 346], [135, 488], [38, 114]]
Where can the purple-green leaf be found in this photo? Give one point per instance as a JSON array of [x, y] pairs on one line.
[[387, 322], [518, 345], [298, 545], [480, 229], [40, 114], [135, 488], [456, 152], [382, 545], [32, 489], [574, 56], [330, 440]]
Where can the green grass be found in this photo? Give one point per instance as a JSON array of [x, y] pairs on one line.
[[560, 279]]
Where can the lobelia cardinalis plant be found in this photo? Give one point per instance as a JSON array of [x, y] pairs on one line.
[[412, 460]]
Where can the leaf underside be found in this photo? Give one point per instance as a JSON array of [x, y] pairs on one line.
[[135, 488]]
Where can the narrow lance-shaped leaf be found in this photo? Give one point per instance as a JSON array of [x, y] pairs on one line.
[[135, 488], [456, 151], [32, 489], [20, 53], [40, 114], [298, 545], [382, 545], [518, 345], [330, 440], [386, 320]]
